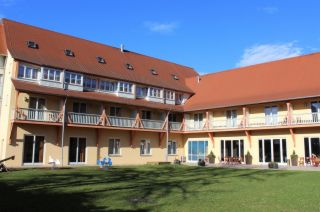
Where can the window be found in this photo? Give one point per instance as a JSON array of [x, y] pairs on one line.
[[114, 111], [142, 91], [311, 147], [146, 114], [154, 72], [107, 86], [172, 117], [198, 120], [169, 95], [101, 60], [231, 118], [90, 83], [27, 72], [32, 44], [125, 87], [51, 74], [129, 66], [155, 92], [175, 77], [69, 53], [197, 150], [172, 147], [114, 147], [271, 114], [37, 107], [79, 107], [145, 147], [73, 78]]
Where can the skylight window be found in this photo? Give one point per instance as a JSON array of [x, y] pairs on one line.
[[175, 77], [129, 66], [101, 60], [69, 53], [32, 44], [154, 72]]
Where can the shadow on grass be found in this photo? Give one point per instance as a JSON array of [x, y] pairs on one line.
[[121, 188]]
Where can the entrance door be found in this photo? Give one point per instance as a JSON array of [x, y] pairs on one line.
[[197, 150], [33, 149], [232, 148], [231, 118], [77, 150], [312, 147], [37, 107], [271, 115]]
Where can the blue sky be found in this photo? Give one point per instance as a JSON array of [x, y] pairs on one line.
[[206, 35]]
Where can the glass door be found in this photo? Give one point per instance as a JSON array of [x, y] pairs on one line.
[[37, 107], [271, 115], [232, 148], [197, 150], [77, 150], [231, 118], [198, 120], [272, 150], [312, 147], [33, 149], [315, 110]]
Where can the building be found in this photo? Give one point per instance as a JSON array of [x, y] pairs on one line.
[[101, 101]]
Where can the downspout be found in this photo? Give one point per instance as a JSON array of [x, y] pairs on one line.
[[63, 128], [167, 137]]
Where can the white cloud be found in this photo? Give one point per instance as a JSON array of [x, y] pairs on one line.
[[268, 52], [269, 10], [161, 27]]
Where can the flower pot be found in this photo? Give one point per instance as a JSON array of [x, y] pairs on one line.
[[248, 159], [294, 161], [211, 160]]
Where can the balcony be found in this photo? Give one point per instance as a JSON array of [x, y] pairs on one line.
[[253, 122], [28, 114]]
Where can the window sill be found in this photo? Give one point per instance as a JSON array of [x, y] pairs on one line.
[[114, 155], [145, 155], [173, 155]]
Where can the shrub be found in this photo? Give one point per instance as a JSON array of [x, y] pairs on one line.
[[201, 162], [211, 157]]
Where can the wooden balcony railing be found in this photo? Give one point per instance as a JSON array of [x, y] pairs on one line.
[[28, 114]]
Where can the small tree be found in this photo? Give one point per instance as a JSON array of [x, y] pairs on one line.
[[294, 159], [248, 158], [211, 157]]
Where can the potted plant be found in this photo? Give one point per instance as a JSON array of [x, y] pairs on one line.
[[273, 165], [201, 162], [248, 158], [176, 161], [211, 157], [294, 159]]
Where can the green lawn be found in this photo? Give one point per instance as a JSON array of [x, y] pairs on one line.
[[165, 188]]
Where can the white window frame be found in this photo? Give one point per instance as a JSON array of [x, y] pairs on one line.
[[114, 140], [73, 77], [125, 87], [77, 151], [55, 72], [89, 81], [33, 150], [155, 92], [271, 149], [145, 148], [169, 95], [170, 150], [103, 84], [33, 71]]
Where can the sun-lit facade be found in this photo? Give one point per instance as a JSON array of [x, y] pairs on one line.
[[74, 101]]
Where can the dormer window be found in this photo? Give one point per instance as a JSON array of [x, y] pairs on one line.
[[129, 66], [101, 60], [154, 72], [175, 77], [32, 44], [69, 53]]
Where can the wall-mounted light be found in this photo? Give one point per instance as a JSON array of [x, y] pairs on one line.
[[26, 99]]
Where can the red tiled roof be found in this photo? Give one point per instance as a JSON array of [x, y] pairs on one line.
[[51, 53], [96, 96], [280, 80], [3, 45]]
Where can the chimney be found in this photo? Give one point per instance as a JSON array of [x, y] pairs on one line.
[[198, 79], [122, 48]]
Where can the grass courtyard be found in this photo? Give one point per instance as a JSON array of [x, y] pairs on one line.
[[155, 188]]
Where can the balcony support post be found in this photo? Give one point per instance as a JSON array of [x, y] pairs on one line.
[[211, 135], [207, 123], [289, 113], [248, 134], [13, 130], [103, 120], [138, 122], [161, 135], [165, 124], [293, 135], [182, 127]]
